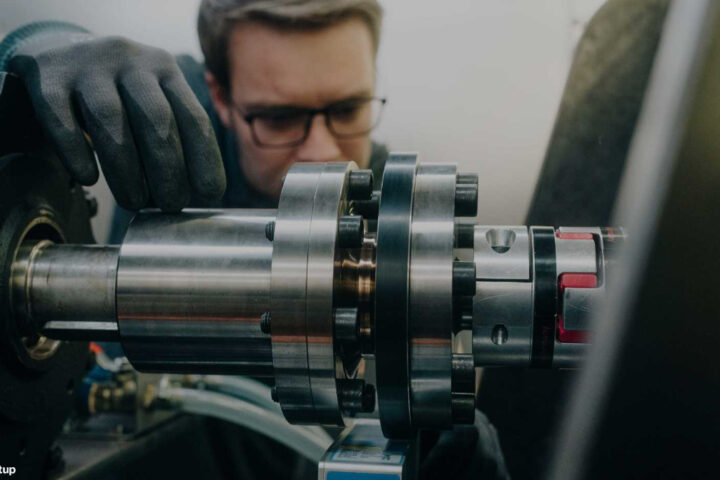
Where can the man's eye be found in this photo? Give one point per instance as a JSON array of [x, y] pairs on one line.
[[346, 113], [282, 121]]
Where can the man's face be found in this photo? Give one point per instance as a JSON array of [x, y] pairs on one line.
[[272, 70]]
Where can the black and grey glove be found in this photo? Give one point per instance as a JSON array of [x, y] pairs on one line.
[[152, 137]]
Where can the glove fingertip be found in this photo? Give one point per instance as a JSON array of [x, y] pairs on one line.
[[207, 173], [131, 198], [213, 186], [85, 172]]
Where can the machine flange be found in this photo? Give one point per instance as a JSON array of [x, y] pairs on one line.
[[392, 292]]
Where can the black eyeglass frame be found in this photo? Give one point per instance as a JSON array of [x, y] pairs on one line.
[[311, 113]]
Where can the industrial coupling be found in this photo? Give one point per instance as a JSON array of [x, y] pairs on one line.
[[349, 295]]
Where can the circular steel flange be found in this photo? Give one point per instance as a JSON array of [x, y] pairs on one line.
[[431, 296], [330, 204], [392, 277], [302, 283]]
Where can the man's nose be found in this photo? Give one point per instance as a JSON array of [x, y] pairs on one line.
[[320, 144]]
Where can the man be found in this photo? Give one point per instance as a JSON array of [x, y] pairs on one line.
[[153, 141], [264, 73], [287, 81]]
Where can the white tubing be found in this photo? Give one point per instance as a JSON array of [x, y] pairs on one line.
[[255, 392], [244, 388], [304, 441]]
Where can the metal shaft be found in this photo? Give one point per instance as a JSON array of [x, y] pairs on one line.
[[184, 293], [191, 289], [67, 291]]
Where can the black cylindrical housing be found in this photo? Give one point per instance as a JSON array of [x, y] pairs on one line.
[[466, 198], [464, 235], [368, 208], [356, 396], [360, 185], [346, 324], [464, 278], [350, 231]]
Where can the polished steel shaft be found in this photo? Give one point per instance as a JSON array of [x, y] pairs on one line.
[[191, 289], [68, 291], [184, 292]]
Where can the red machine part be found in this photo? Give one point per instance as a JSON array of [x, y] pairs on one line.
[[573, 280], [573, 235]]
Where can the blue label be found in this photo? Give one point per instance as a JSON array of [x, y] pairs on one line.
[[361, 476]]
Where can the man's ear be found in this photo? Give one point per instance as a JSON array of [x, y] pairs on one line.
[[219, 97]]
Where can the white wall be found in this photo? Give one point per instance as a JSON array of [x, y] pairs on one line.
[[476, 82]]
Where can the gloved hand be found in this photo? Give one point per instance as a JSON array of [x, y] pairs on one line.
[[152, 137], [465, 452]]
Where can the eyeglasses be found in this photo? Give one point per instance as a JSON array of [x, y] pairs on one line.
[[283, 127]]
